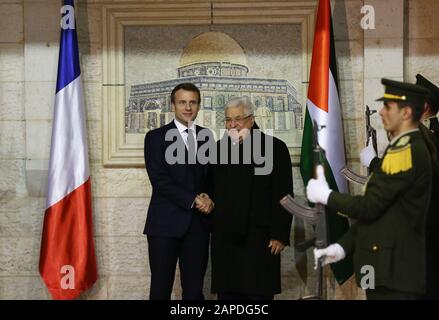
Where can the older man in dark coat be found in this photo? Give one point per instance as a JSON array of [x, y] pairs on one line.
[[249, 227]]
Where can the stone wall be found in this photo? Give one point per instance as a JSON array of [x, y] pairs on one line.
[[29, 40]]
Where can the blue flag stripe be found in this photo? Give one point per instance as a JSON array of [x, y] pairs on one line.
[[68, 62]]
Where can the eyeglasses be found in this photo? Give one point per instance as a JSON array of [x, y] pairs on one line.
[[237, 119], [183, 103]]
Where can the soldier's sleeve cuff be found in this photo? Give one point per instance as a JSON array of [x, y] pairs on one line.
[[335, 202]]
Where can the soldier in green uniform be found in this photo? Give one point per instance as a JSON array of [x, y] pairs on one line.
[[368, 156], [388, 239], [430, 120]]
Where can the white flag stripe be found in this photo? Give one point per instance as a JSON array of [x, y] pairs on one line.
[[331, 137], [68, 167]]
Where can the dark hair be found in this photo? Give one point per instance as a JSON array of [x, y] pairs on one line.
[[434, 107], [188, 87], [417, 109]]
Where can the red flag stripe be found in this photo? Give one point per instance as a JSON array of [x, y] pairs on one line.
[[69, 218], [318, 91]]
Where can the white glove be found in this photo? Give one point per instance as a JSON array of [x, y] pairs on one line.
[[367, 154], [318, 190], [331, 254]]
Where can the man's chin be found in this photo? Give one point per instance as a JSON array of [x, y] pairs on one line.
[[189, 120]]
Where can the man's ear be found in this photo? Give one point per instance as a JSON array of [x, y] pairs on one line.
[[407, 113], [426, 107], [172, 107]]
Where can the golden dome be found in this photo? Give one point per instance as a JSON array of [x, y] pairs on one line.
[[213, 47]]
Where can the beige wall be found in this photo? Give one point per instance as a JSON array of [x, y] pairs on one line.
[[29, 39]]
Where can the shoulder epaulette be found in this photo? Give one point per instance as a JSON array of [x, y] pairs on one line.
[[398, 158]]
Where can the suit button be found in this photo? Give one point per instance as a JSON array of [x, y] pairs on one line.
[[375, 248]]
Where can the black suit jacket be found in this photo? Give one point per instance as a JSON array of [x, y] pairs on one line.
[[174, 186]]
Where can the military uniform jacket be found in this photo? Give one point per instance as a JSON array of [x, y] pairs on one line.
[[389, 234], [432, 123], [432, 236]]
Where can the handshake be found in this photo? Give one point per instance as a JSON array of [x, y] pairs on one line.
[[203, 203]]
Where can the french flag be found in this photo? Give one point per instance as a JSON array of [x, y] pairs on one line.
[[67, 255]]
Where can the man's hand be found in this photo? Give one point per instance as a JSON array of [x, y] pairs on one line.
[[367, 154], [331, 254], [317, 190], [276, 246], [203, 203]]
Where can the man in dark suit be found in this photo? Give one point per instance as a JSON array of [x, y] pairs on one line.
[[177, 225], [388, 238]]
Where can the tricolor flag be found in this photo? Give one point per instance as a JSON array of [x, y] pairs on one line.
[[323, 106], [67, 257]]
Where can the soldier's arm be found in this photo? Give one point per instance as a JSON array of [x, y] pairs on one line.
[[382, 190], [402, 167], [397, 174]]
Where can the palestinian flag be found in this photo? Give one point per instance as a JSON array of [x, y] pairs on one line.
[[323, 106]]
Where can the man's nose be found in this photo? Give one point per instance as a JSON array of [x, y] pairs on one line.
[[233, 123]]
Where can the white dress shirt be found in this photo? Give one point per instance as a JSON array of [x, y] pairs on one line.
[[182, 130]]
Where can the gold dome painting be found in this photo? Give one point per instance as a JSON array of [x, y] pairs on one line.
[[217, 64]]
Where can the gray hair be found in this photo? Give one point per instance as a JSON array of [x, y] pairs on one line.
[[241, 101]]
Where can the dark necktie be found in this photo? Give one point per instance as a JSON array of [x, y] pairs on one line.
[[191, 146]]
